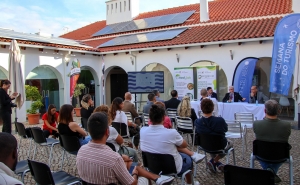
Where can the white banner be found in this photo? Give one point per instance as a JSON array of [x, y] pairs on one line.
[[184, 82], [206, 77]]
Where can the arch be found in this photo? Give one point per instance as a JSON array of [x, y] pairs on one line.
[[3, 73]]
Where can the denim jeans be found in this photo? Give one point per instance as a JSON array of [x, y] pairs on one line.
[[274, 166], [85, 140]]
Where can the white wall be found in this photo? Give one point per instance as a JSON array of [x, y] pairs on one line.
[[118, 15], [296, 6]]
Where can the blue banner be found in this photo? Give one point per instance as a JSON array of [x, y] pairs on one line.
[[243, 75], [284, 53]]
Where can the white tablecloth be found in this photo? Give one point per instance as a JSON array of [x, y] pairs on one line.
[[227, 110]]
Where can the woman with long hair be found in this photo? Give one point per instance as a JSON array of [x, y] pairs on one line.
[[50, 120], [6, 105], [87, 108], [68, 127], [115, 138], [184, 109], [117, 115], [167, 121]]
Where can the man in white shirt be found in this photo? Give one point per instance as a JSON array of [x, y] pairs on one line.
[[8, 159]]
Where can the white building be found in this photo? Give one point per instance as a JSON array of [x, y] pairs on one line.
[[235, 29]]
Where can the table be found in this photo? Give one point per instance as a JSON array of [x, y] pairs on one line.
[[227, 110]]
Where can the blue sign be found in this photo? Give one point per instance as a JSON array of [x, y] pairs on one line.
[[242, 80], [284, 53]]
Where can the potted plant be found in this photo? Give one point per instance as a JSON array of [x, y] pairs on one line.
[[77, 93], [33, 95]]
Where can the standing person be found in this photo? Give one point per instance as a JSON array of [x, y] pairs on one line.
[[173, 102], [255, 95], [232, 96], [211, 93], [68, 127], [87, 104], [6, 105], [184, 109], [8, 159], [50, 119], [129, 107], [117, 115], [272, 129]]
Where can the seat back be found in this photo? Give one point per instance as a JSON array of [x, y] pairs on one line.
[[234, 175], [245, 118], [184, 124], [145, 119], [284, 101], [38, 135], [129, 116], [121, 128], [171, 113], [40, 172], [70, 143], [234, 129], [21, 129], [210, 143], [159, 163], [84, 123], [112, 146], [274, 152]]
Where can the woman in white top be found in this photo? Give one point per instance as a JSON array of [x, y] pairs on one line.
[[115, 138], [117, 115]]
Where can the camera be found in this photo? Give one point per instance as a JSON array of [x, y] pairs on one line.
[[13, 105]]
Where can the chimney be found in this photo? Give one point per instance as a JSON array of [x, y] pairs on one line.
[[204, 12]]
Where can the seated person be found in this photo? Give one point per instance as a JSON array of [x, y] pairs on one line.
[[211, 94], [50, 120], [204, 95], [115, 138], [173, 102], [87, 108], [68, 127], [129, 107], [8, 159], [98, 164], [157, 139], [259, 96], [167, 121], [184, 109], [232, 96], [151, 101], [209, 124]]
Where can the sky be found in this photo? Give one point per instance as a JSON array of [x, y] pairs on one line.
[[58, 16]]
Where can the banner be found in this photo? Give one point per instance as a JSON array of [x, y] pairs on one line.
[[206, 77], [284, 53], [184, 82], [242, 80], [74, 76]]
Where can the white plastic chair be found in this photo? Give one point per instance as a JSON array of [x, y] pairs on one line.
[[284, 103]]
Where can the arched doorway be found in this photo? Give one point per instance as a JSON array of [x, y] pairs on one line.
[[49, 82], [222, 84], [3, 73]]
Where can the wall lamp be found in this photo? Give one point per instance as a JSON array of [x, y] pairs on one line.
[[132, 60], [177, 57]]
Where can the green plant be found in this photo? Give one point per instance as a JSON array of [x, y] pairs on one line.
[[33, 95], [77, 93]]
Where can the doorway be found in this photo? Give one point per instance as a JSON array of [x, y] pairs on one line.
[[118, 85]]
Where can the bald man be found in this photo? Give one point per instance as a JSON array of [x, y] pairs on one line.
[[129, 107]]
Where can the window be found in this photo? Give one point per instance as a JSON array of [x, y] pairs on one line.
[[116, 7], [120, 6], [129, 4], [124, 6]]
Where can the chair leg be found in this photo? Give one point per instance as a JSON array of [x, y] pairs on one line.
[[291, 170], [23, 174], [50, 155], [233, 156], [19, 143], [62, 160], [34, 152], [252, 158], [28, 153]]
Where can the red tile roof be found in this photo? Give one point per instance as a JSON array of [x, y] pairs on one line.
[[208, 33]]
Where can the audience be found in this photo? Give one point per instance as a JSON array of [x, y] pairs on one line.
[[8, 159], [151, 101], [98, 164], [129, 107], [211, 94], [272, 129], [157, 139], [257, 96], [87, 108], [167, 121], [157, 95], [173, 102], [184, 109], [68, 127], [50, 120], [209, 124], [115, 138], [232, 96], [117, 115], [203, 93]]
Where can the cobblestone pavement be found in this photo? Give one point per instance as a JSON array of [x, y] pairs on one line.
[[203, 176]]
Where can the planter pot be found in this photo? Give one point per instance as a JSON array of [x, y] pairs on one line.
[[33, 119], [77, 112]]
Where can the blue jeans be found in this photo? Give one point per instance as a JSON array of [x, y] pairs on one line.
[[86, 140], [187, 163], [274, 166]]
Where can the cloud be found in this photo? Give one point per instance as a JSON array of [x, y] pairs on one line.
[[37, 8]]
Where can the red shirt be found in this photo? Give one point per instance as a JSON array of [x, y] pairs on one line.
[[167, 122], [45, 118]]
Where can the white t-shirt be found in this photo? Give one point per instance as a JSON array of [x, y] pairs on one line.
[[113, 134], [120, 117], [158, 139]]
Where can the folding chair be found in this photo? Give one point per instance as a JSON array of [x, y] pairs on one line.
[[71, 144], [42, 175], [235, 130], [272, 152], [22, 168], [172, 113], [234, 175], [22, 133], [84, 123], [112, 146], [163, 164], [245, 118], [185, 126], [145, 120], [39, 138], [122, 129]]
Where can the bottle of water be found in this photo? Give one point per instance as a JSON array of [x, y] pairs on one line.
[[256, 102]]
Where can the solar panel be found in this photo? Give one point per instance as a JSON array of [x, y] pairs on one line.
[[158, 21], [145, 37]]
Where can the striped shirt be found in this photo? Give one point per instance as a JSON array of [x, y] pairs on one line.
[[98, 164]]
